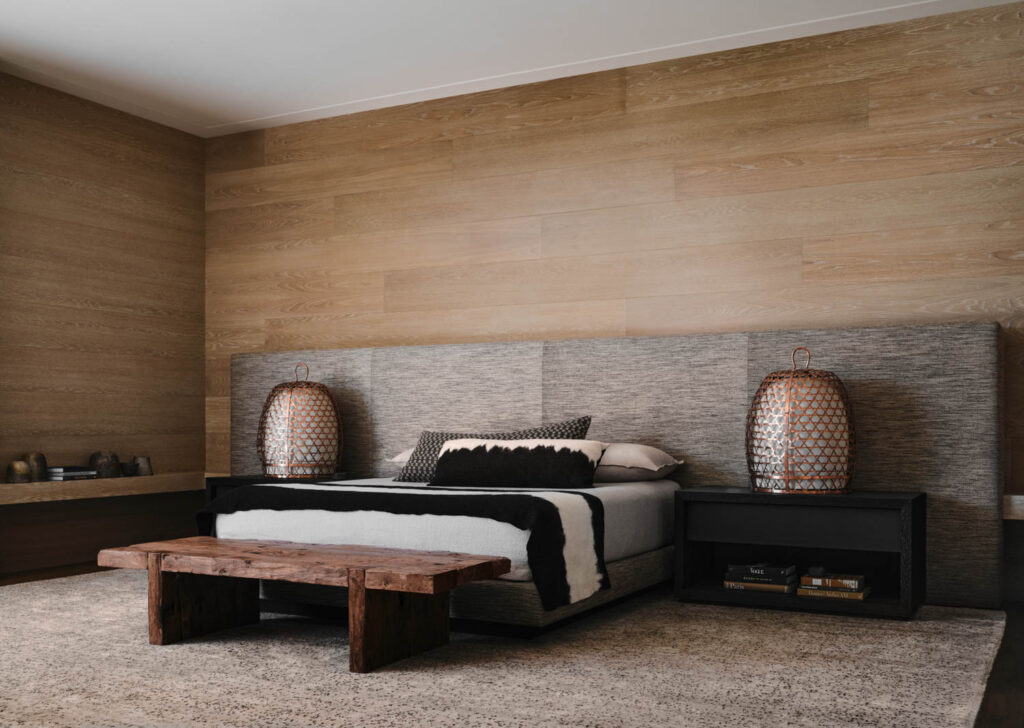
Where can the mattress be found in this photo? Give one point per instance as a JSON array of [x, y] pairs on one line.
[[638, 518]]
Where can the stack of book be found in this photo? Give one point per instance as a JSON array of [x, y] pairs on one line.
[[833, 586], [71, 472], [780, 578]]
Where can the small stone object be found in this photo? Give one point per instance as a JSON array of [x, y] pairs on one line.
[[106, 464], [19, 472], [37, 466], [142, 465], [129, 469]]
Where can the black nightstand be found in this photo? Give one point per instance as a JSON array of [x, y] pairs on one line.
[[218, 485], [878, 534]]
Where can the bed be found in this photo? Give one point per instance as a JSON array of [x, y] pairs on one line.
[[562, 543], [927, 401]]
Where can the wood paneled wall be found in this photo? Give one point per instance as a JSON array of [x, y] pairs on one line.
[[868, 177], [101, 283]]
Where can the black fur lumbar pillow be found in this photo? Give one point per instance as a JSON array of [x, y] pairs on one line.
[[475, 463], [419, 466]]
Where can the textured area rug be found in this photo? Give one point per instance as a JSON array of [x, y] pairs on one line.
[[74, 652]]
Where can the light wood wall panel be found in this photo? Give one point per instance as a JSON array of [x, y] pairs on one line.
[[101, 284], [867, 177], [698, 130]]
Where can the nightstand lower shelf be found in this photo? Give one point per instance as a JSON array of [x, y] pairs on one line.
[[711, 593], [877, 535]]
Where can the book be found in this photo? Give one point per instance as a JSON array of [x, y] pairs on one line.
[[763, 569], [755, 579], [819, 593], [66, 469], [834, 581], [754, 586], [72, 476]]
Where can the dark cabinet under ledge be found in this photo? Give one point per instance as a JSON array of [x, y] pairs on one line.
[[878, 534]]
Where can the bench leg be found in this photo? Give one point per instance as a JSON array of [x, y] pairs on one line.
[[189, 605], [387, 626]]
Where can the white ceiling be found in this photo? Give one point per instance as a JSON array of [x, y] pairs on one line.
[[213, 67]]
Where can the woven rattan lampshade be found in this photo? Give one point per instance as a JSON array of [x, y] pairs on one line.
[[800, 435], [300, 430]]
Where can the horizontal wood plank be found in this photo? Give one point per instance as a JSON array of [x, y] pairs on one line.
[[68, 244], [476, 242], [72, 372], [955, 198], [103, 290], [39, 104], [855, 157], [534, 193], [615, 276], [574, 320], [771, 119], [59, 151], [38, 326], [424, 572], [91, 203], [21, 493], [270, 222], [547, 103], [980, 94], [303, 293], [827, 306], [228, 338], [357, 171], [54, 414], [882, 51], [948, 252]]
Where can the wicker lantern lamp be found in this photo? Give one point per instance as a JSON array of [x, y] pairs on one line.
[[800, 433], [300, 430]]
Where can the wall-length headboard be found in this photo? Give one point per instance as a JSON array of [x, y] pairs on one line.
[[926, 400]]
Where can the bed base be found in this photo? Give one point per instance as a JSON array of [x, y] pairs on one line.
[[494, 607]]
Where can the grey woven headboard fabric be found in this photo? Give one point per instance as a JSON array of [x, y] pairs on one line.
[[926, 401]]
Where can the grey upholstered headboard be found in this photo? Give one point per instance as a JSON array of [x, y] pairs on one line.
[[926, 401]]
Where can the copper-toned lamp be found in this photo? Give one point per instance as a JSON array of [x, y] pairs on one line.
[[800, 435], [300, 430]]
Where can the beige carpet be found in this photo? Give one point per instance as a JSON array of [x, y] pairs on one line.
[[73, 652]]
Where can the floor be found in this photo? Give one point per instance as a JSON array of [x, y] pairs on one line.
[[1003, 706], [634, 664]]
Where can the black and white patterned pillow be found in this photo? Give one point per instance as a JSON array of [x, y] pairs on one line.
[[420, 468], [533, 463]]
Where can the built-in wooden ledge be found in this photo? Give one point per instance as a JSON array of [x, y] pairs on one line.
[[1013, 507], [18, 493]]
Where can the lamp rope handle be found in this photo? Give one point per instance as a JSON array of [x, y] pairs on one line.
[[806, 351], [301, 364]]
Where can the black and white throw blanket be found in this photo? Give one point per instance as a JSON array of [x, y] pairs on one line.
[[561, 532]]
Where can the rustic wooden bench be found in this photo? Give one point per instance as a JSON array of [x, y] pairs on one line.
[[397, 600]]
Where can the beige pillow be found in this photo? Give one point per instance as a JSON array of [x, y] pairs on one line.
[[403, 457], [627, 462]]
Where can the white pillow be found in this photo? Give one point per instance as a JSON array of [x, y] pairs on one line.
[[403, 457], [626, 462]]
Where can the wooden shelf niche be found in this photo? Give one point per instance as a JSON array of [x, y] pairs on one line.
[[42, 492]]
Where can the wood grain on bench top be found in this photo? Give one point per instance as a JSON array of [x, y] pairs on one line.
[[421, 572]]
